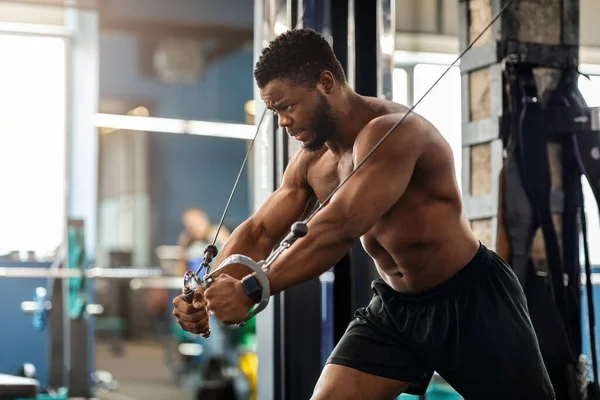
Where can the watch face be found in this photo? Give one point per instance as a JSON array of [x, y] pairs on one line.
[[252, 285], [252, 288]]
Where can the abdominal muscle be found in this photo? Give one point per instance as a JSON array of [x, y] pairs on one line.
[[413, 260]]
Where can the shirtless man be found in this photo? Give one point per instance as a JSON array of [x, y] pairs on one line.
[[444, 302]]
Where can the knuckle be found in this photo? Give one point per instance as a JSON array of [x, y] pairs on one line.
[[185, 326], [196, 317], [181, 318], [201, 307]]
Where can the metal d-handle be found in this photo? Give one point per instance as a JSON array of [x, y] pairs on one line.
[[257, 268]]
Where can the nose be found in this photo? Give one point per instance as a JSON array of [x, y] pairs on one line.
[[284, 121]]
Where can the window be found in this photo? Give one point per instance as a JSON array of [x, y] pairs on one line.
[[441, 106], [590, 89], [399, 86], [32, 143]]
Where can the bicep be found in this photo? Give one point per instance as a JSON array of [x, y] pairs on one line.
[[285, 206]]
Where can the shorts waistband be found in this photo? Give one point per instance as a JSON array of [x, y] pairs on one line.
[[462, 279]]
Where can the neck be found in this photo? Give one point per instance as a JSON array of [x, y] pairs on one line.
[[352, 113]]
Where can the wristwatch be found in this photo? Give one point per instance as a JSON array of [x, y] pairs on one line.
[[252, 288]]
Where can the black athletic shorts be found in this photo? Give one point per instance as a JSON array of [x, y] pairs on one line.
[[474, 330]]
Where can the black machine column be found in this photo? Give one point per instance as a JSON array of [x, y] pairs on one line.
[[371, 62], [526, 131], [365, 48], [288, 347]]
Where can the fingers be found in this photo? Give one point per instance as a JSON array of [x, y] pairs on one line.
[[194, 316], [199, 301], [188, 308], [196, 329], [202, 326], [191, 317], [223, 284]]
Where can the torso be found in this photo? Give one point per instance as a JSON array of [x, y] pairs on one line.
[[424, 238]]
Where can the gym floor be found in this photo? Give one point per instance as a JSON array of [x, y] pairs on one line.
[[141, 371]]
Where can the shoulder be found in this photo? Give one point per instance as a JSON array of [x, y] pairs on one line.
[[408, 134], [299, 165]]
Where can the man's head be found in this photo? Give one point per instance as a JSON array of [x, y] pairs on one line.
[[297, 75]]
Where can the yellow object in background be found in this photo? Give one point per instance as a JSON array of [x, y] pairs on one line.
[[249, 366]]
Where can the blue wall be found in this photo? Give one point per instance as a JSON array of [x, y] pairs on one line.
[[194, 171], [186, 170]]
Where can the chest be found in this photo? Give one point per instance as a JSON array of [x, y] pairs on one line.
[[325, 175]]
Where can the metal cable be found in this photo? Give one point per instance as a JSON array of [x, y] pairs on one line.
[[237, 181]]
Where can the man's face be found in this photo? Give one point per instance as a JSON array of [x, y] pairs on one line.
[[304, 113]]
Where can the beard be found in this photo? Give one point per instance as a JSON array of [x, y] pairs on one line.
[[323, 126]]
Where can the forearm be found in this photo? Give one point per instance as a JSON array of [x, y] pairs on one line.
[[247, 240], [323, 246]]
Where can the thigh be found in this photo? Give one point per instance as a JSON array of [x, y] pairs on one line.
[[345, 383], [496, 354], [372, 351]]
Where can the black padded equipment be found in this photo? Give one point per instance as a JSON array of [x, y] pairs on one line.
[[16, 387]]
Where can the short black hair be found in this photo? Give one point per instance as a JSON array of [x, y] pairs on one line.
[[300, 55]]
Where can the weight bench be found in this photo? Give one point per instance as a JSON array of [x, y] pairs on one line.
[[16, 387]]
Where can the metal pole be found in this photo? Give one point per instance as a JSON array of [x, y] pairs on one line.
[[70, 5], [91, 273]]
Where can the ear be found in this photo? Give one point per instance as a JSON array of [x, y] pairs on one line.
[[326, 82]]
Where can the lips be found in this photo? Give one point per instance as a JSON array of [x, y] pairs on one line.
[[301, 136]]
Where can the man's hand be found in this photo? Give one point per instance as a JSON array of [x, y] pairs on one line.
[[226, 299], [192, 317]]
